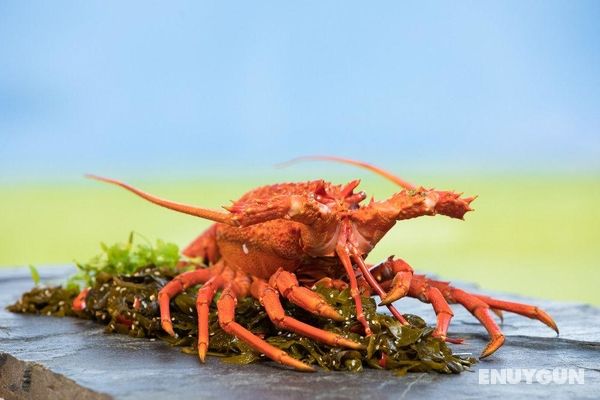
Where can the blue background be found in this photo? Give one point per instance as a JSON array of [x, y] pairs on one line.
[[197, 88]]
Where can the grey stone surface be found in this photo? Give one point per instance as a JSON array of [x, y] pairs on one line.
[[28, 380], [128, 368]]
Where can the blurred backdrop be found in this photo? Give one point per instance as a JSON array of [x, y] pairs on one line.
[[196, 101]]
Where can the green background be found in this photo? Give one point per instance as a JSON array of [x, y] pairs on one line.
[[535, 235]]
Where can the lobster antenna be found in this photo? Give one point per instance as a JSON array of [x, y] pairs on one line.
[[212, 215], [399, 181]]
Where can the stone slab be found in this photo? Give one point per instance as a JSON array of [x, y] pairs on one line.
[[126, 368]]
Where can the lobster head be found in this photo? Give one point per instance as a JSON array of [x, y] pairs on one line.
[[339, 196]]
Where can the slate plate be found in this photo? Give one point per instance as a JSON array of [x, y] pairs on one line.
[[76, 359]]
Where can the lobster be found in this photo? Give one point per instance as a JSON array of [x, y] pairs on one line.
[[279, 240]]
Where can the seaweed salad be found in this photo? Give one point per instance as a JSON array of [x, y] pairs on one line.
[[124, 280]]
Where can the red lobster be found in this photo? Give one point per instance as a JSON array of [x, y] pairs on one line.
[[281, 239]]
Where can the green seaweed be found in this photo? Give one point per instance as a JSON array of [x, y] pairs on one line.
[[125, 281], [35, 275], [124, 258]]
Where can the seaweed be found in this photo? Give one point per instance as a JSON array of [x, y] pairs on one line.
[[125, 281]]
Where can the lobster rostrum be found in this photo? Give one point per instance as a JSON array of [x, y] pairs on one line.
[[279, 240]]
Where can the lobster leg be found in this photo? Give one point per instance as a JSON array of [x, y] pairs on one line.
[[374, 284], [499, 314], [420, 289], [226, 310], [269, 298], [474, 305], [497, 306], [480, 310], [204, 247], [412, 204], [400, 274], [354, 291], [518, 308], [203, 301], [173, 288], [79, 302], [287, 284], [428, 290]]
